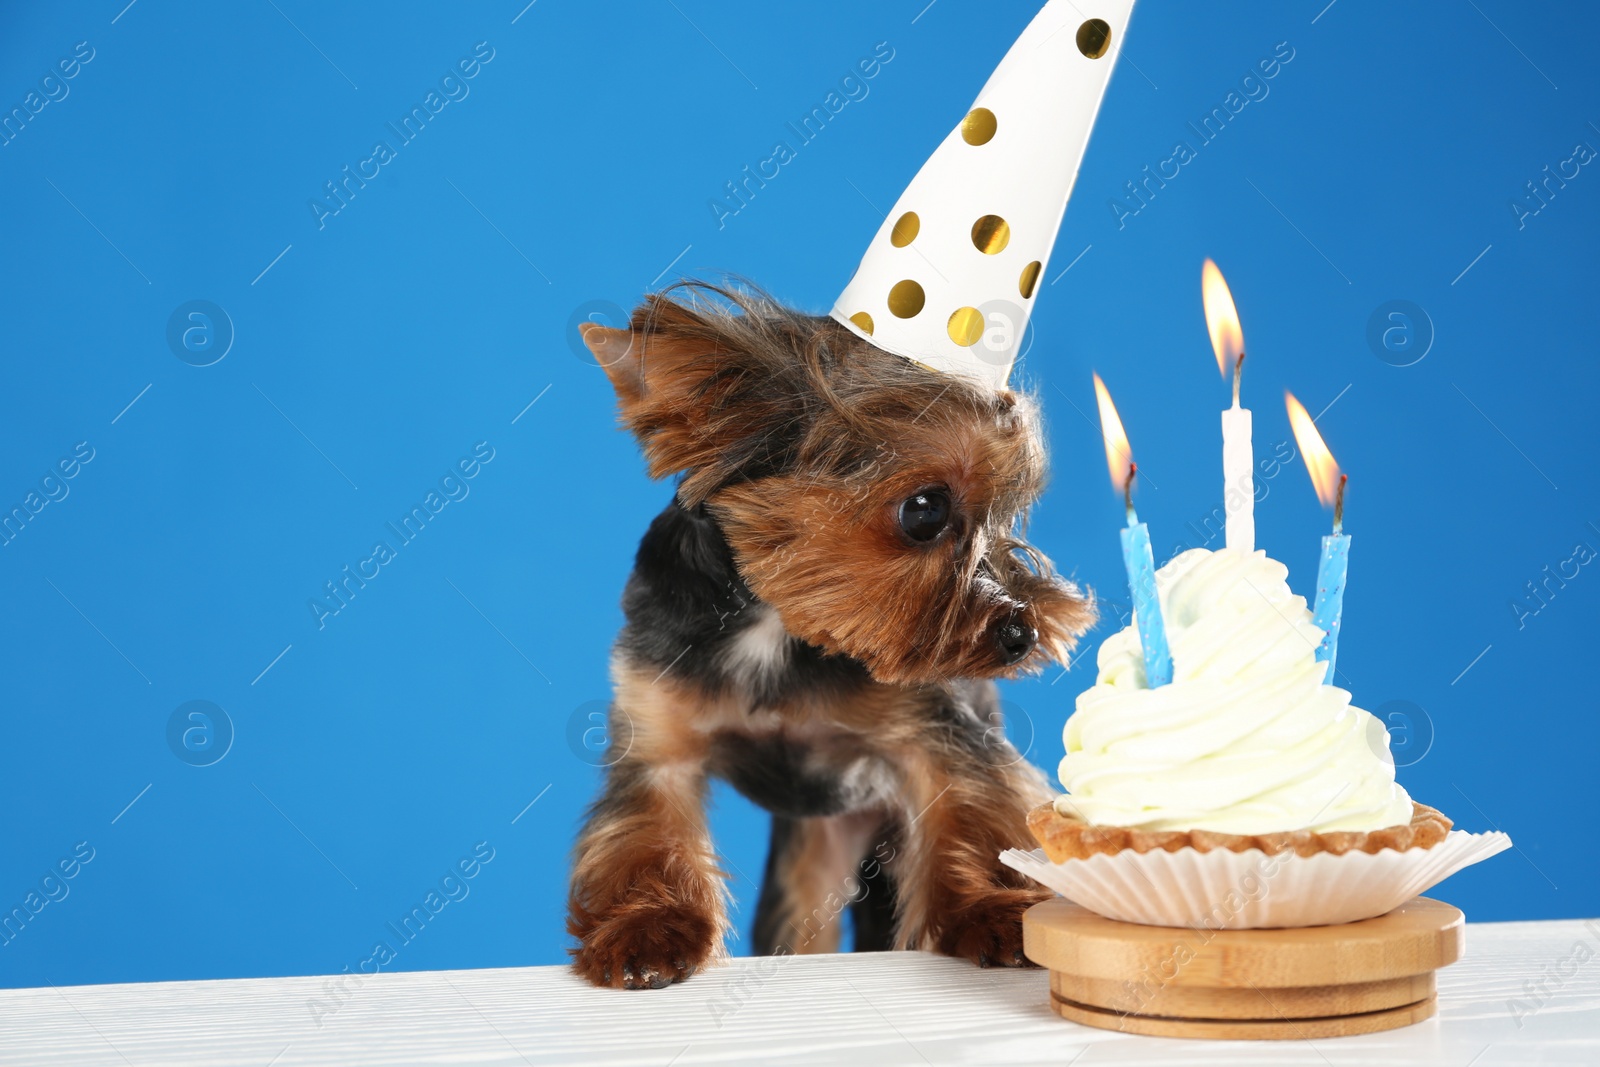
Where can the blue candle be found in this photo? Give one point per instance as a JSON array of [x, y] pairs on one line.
[[1331, 572], [1141, 565], [1136, 555], [1335, 562]]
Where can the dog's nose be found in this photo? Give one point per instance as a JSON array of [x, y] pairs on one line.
[[1015, 639]]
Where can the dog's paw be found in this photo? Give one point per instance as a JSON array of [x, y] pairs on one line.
[[644, 947], [988, 931]]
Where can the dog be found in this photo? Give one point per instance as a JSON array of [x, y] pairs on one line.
[[816, 618]]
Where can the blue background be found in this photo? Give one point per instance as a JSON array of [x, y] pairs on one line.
[[436, 305]]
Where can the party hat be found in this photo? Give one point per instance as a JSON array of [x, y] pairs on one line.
[[951, 277]]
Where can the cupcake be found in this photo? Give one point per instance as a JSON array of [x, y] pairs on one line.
[[1245, 781]]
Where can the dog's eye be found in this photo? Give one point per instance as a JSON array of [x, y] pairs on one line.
[[925, 515]]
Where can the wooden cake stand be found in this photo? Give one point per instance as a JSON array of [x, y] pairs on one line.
[[1314, 981]]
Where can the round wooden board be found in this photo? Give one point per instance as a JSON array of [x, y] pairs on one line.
[[1416, 938], [1315, 981], [1248, 1029], [1218, 1002]]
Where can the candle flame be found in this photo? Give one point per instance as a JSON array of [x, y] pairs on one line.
[[1119, 457], [1319, 461], [1222, 318]]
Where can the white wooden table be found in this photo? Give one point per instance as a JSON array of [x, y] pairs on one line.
[[885, 1009]]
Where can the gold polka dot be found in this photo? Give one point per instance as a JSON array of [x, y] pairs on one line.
[[905, 229], [863, 320], [966, 326], [1094, 37], [978, 126], [1030, 278], [991, 234], [906, 299]]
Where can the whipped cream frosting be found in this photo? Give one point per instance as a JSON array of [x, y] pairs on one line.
[[1246, 738]]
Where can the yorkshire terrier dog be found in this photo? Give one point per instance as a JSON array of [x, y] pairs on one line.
[[815, 619]]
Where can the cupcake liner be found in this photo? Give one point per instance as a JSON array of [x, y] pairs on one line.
[[1249, 890]]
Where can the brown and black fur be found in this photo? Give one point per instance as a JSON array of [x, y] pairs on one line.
[[783, 633]]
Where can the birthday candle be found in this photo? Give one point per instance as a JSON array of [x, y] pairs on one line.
[[1141, 565], [1328, 608], [1330, 588], [1137, 557], [1238, 454]]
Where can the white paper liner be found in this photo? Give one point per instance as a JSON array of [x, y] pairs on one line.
[[1250, 890]]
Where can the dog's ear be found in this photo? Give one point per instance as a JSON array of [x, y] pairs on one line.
[[613, 350], [702, 393]]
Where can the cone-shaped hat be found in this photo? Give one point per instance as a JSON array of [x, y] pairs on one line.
[[951, 277]]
